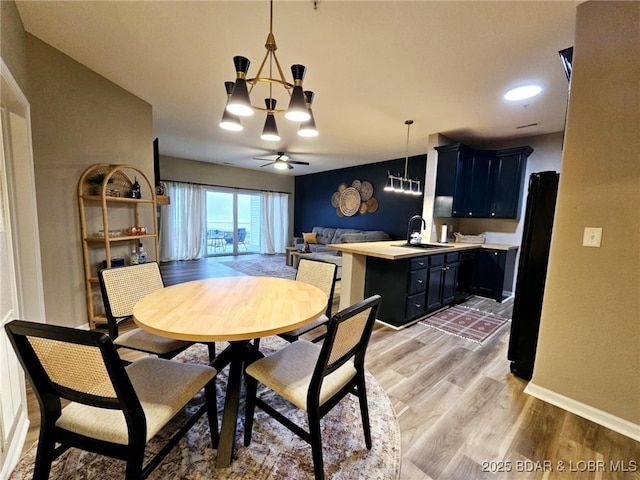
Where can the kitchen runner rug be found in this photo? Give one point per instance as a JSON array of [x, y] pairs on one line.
[[274, 453], [467, 323]]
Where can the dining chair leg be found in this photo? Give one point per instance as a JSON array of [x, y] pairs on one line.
[[316, 444], [364, 410], [250, 407], [135, 461], [45, 453]]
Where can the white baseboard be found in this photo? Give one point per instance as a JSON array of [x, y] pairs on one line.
[[14, 450], [600, 417]]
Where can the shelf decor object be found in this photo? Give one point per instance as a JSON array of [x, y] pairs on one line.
[[112, 224], [239, 102], [404, 184]]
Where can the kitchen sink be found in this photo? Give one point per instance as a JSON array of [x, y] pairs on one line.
[[420, 245]]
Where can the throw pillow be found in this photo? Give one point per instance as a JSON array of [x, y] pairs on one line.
[[310, 237]]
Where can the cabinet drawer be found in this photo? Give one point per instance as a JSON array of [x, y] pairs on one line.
[[415, 306], [417, 281], [452, 257], [419, 263], [435, 260]]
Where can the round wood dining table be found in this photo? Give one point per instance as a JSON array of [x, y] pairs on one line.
[[232, 309]]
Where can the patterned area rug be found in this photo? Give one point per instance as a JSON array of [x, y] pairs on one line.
[[265, 266], [466, 323], [274, 453]]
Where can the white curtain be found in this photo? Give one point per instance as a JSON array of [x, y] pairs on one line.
[[275, 222], [182, 223]]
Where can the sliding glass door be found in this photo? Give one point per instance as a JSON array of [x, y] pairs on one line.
[[232, 222]]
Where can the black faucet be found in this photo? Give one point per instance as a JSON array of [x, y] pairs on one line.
[[415, 217]]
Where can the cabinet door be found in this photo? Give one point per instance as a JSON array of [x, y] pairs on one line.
[[451, 160], [508, 171], [449, 282], [478, 191], [488, 273], [473, 185], [434, 288]]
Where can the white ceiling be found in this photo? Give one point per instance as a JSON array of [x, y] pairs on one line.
[[372, 65]]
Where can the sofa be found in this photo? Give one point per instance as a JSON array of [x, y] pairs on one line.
[[313, 245]]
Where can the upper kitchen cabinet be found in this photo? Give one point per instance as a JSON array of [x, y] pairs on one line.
[[508, 171], [451, 159], [479, 183]]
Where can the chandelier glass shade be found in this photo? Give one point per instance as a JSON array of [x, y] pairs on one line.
[[403, 184], [239, 100]]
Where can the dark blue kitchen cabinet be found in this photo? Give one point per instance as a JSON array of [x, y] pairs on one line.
[[451, 160], [508, 172], [493, 273], [479, 183]]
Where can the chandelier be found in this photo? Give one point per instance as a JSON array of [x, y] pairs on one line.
[[403, 184], [239, 102]]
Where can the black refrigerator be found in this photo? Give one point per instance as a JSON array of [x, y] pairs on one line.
[[532, 272]]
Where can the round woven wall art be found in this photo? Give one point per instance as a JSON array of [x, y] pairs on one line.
[[372, 205], [335, 199], [342, 187], [350, 201], [366, 191], [363, 208], [356, 184]]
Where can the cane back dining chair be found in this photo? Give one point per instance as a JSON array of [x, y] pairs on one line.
[[316, 377], [114, 410], [323, 276], [121, 288]]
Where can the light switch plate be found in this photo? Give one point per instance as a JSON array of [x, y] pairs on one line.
[[592, 237]]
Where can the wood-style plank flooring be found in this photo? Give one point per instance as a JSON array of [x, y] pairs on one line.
[[462, 414]]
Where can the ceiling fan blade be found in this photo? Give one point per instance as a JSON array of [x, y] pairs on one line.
[[298, 163], [266, 164]]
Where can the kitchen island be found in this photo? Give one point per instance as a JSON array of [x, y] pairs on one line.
[[417, 280]]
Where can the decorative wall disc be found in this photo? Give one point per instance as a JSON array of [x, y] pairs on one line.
[[339, 212], [366, 191], [350, 201], [356, 184], [372, 205], [363, 208], [335, 199], [342, 187]]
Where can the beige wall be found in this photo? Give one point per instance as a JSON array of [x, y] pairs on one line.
[[182, 170], [589, 344], [78, 119], [12, 44]]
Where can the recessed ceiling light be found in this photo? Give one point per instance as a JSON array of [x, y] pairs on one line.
[[520, 93]]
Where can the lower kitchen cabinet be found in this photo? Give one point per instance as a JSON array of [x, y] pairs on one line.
[[402, 285], [493, 273], [443, 275], [412, 288]]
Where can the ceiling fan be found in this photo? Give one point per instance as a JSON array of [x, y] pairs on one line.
[[281, 161]]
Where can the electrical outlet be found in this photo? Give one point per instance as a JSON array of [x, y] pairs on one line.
[[592, 237]]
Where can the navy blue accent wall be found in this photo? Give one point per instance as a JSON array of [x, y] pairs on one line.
[[313, 198]]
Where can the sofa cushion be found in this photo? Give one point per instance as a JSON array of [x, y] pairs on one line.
[[353, 238], [324, 235], [375, 235], [337, 236]]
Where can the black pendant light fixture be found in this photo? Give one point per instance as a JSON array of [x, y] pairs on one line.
[[403, 184], [299, 107]]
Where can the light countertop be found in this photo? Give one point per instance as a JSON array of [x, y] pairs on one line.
[[392, 251]]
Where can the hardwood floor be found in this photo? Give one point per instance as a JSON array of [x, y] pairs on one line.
[[462, 414]]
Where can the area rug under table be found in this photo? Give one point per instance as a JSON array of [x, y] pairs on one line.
[[467, 323], [274, 453]]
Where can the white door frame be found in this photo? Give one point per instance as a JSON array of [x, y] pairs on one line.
[[22, 291]]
